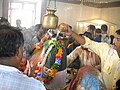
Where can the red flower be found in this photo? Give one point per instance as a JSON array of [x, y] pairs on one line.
[[46, 81], [60, 58], [57, 56], [39, 69]]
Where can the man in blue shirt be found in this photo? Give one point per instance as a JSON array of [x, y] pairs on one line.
[[11, 43]]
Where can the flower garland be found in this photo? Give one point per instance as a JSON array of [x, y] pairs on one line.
[[54, 68]]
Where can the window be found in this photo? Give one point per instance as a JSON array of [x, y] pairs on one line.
[[29, 6], [16, 5], [23, 11]]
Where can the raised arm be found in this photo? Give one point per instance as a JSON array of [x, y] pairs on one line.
[[65, 29], [84, 41]]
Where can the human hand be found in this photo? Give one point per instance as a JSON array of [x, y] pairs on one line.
[[23, 64], [65, 29], [46, 36], [45, 71], [38, 45], [29, 70]]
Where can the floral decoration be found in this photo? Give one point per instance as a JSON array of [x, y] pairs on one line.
[[54, 68]]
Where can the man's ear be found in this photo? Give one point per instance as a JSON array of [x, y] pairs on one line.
[[19, 54], [17, 58]]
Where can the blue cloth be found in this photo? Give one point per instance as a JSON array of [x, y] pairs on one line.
[[12, 79], [58, 61], [97, 39], [90, 82]]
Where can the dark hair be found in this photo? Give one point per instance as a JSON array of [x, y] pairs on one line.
[[98, 30], [4, 21], [104, 27], [118, 32], [118, 85], [92, 27], [88, 34], [111, 37], [18, 20], [10, 40], [37, 27], [70, 26]]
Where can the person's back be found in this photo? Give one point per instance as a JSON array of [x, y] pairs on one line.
[[12, 79], [11, 43]]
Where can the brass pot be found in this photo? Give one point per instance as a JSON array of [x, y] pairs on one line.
[[50, 21]]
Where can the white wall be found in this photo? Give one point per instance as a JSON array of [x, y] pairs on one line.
[[112, 15], [71, 13], [1, 5], [43, 8], [38, 12]]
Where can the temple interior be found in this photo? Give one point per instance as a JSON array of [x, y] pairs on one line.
[[68, 44]]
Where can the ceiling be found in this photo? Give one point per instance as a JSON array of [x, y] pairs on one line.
[[91, 3], [29, 1], [94, 3]]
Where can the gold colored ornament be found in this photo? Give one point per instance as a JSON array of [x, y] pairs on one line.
[[50, 20]]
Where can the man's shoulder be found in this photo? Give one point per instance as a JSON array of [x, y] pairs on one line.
[[16, 79], [32, 83]]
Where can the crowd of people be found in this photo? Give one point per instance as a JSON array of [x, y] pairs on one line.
[[94, 48], [109, 54]]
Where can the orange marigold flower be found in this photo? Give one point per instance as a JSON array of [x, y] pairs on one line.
[[58, 55], [60, 51], [52, 73]]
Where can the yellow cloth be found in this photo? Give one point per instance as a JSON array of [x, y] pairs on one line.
[[110, 61]]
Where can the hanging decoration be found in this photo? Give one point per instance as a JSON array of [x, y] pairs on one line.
[[50, 20]]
